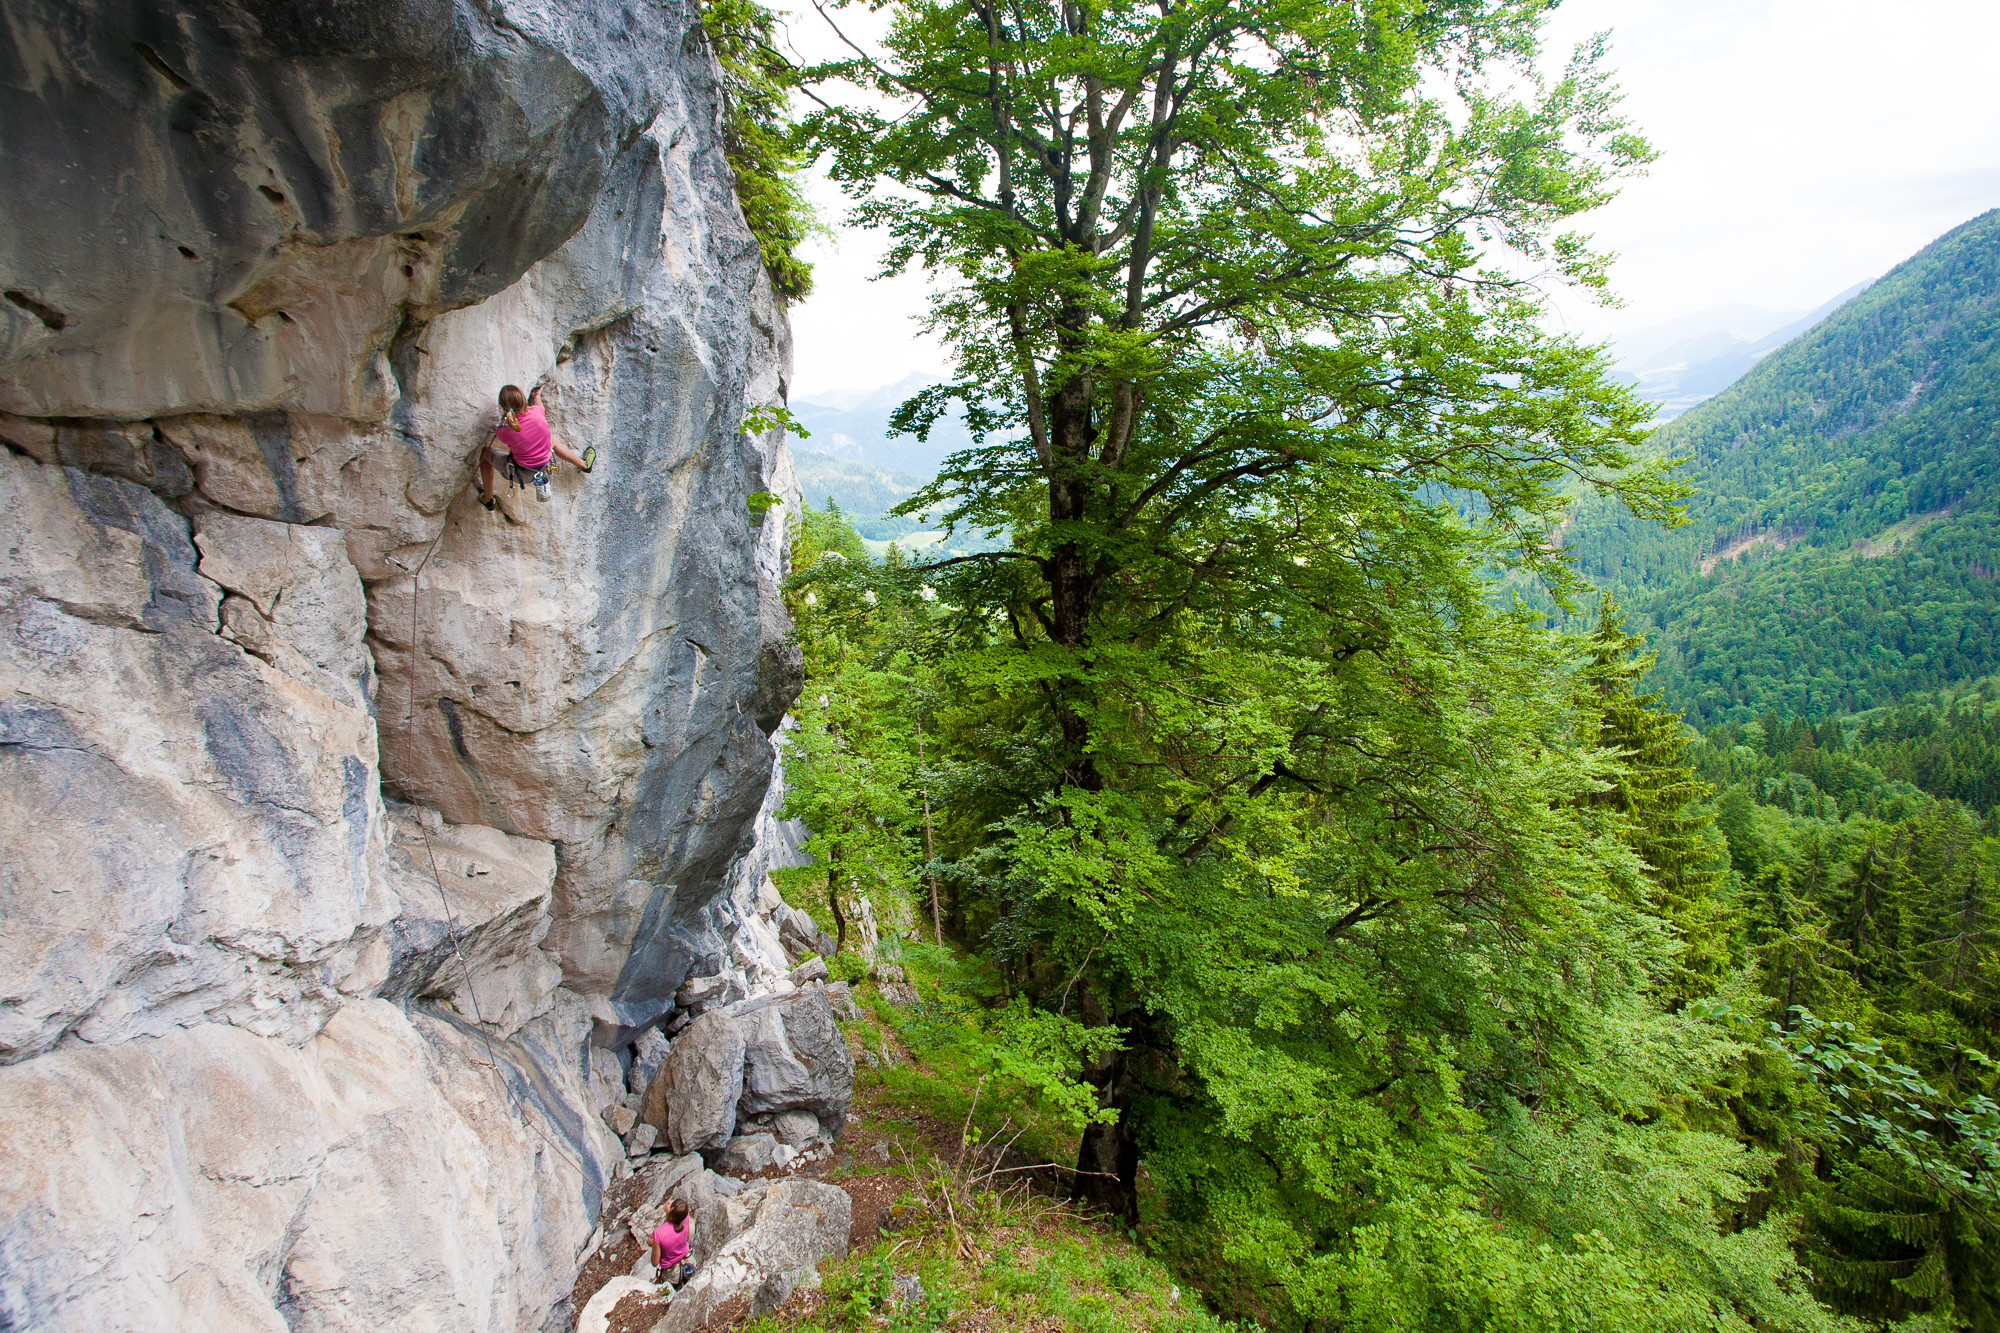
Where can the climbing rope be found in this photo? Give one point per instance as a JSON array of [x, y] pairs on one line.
[[451, 920]]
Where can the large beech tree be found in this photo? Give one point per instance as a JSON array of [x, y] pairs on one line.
[[1238, 755]]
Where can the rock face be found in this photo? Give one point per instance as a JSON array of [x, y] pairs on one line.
[[353, 833], [795, 1059]]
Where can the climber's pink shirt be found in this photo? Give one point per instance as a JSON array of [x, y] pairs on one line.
[[673, 1244], [531, 445]]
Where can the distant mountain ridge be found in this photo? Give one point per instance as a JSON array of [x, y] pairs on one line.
[[1843, 545], [866, 494], [1678, 373], [857, 429]]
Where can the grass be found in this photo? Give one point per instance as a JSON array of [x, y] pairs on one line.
[[991, 1248], [992, 1259]]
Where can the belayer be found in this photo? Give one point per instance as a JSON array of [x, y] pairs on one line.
[[524, 431]]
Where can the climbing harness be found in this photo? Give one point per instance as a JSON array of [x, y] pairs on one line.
[[522, 478]]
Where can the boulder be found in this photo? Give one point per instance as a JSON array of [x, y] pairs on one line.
[[776, 1289], [899, 994], [841, 996], [596, 1315], [795, 1059], [813, 969], [693, 1099], [639, 1140], [648, 1054], [747, 1154], [800, 935], [605, 1072], [721, 1208], [798, 1223], [795, 1129]]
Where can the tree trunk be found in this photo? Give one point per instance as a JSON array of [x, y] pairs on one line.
[[1107, 1158], [1071, 576], [833, 878], [930, 854], [930, 849]]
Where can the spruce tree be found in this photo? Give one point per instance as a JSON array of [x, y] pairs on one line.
[[1800, 963], [1658, 792]]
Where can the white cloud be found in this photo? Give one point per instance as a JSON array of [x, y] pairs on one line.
[[1807, 145]]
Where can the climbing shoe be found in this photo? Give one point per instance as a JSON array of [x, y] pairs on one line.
[[541, 479], [488, 501], [589, 458]]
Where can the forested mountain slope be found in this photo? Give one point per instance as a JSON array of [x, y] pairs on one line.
[[865, 492], [1844, 540]]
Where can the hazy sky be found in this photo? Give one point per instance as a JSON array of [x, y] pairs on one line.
[[1806, 145]]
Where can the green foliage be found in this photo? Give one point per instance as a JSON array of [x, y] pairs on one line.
[[1871, 940], [1657, 791], [1953, 1144], [1232, 755], [763, 147], [851, 758], [1863, 459], [772, 416], [1881, 762]]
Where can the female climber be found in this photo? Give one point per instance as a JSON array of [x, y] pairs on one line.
[[669, 1246], [524, 430]]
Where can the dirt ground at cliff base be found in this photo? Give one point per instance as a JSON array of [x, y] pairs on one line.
[[610, 1260], [635, 1313], [869, 1162]]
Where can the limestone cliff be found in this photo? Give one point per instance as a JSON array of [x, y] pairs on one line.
[[353, 832]]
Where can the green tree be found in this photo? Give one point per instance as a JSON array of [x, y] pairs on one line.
[[1659, 794], [763, 146], [1245, 763], [851, 758]]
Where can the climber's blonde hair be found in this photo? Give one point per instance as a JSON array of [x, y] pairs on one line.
[[512, 400]]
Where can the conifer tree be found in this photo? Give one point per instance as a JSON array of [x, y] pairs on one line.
[[1798, 960], [1871, 915], [1893, 1244], [1658, 792]]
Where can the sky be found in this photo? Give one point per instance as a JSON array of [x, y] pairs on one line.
[[1806, 145]]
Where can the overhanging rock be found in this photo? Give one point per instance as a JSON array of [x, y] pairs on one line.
[[266, 267]]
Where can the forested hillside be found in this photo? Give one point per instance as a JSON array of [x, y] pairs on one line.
[[1378, 956], [864, 492], [1844, 537]]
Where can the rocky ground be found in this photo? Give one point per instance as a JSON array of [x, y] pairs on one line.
[[876, 1136], [937, 1238]]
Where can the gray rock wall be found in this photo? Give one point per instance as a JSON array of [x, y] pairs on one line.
[[343, 814]]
